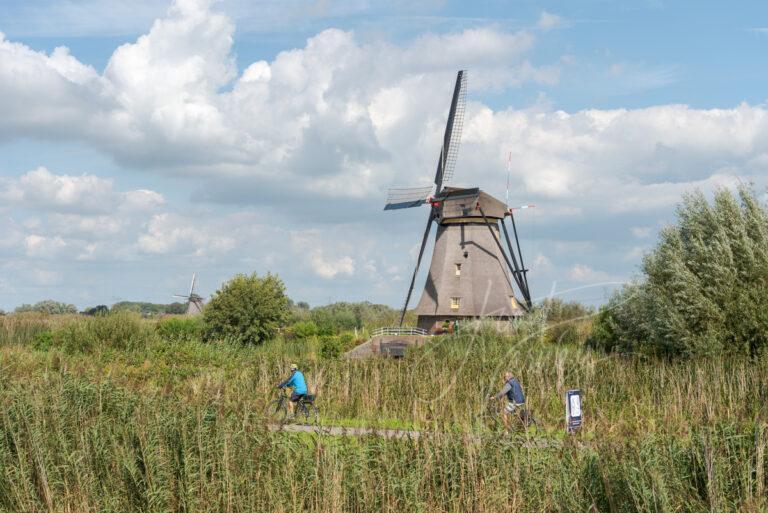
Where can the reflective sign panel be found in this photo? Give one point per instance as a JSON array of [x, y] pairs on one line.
[[573, 413]]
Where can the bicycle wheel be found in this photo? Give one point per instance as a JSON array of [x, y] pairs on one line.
[[490, 419], [307, 413], [276, 411], [527, 420]]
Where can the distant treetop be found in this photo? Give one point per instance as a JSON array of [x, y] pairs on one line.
[[48, 306]]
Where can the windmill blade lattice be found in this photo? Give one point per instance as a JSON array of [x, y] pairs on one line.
[[407, 197], [456, 127]]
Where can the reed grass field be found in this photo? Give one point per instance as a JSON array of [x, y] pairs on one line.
[[117, 413]]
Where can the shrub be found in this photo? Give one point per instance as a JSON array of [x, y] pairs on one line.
[[331, 321], [247, 309], [43, 340], [304, 329], [331, 347], [180, 329], [703, 287]]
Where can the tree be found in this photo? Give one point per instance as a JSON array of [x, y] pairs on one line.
[[149, 309], [48, 306], [702, 292], [96, 310], [176, 308], [247, 309]]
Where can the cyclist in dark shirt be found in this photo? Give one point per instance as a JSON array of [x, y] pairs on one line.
[[513, 391]]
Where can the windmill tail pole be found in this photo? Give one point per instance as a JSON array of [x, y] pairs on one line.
[[523, 277], [520, 254], [416, 269], [513, 268], [523, 271]]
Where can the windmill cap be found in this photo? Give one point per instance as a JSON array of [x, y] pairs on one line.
[[294, 366]]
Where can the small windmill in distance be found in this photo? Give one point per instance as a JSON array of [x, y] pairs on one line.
[[194, 301]]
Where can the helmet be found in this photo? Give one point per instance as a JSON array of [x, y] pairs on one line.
[[294, 366]]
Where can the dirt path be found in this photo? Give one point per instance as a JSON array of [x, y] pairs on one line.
[[346, 431], [533, 442]]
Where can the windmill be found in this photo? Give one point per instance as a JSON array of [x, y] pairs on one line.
[[471, 274], [194, 301]]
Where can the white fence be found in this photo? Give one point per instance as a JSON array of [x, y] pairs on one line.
[[396, 330]]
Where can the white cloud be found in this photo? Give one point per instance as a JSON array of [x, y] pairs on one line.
[[542, 264], [639, 197], [573, 247], [44, 277], [93, 226], [41, 188], [548, 21], [89, 194], [339, 118], [67, 218], [635, 253], [581, 273], [142, 199], [45, 247], [172, 233], [627, 160], [172, 100], [324, 261], [641, 232]]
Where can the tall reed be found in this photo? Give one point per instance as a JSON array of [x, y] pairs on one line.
[[130, 421]]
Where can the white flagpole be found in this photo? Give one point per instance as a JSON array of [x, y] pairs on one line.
[[509, 166]]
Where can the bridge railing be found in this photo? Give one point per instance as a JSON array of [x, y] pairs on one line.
[[397, 330]]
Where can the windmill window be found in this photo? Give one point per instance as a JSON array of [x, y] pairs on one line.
[[455, 303], [458, 269]]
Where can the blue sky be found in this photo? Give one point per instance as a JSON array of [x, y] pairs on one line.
[[162, 138]]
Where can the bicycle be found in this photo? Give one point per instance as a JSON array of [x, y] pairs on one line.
[[305, 410], [522, 418]]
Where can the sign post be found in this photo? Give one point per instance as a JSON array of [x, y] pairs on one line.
[[573, 411]]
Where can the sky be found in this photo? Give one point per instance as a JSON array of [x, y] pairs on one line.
[[143, 141]]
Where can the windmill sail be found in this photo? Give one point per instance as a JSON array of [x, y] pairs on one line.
[[453, 128], [446, 164], [416, 269], [407, 197]]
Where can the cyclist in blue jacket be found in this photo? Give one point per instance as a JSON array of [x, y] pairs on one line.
[[298, 385], [513, 391]]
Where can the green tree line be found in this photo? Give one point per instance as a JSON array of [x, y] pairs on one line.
[[703, 287]]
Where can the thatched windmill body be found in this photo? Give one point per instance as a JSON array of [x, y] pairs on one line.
[[475, 269], [194, 301]]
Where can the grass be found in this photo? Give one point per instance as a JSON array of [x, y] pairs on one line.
[[112, 414]]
